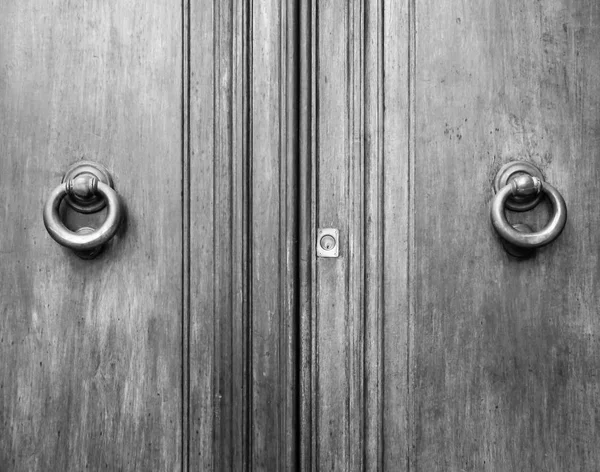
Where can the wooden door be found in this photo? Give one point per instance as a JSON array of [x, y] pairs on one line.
[[175, 349], [209, 335], [425, 346], [91, 349], [517, 341]]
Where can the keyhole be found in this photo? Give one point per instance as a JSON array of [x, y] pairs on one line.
[[327, 242]]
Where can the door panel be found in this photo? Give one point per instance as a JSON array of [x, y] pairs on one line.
[[91, 349], [425, 346], [242, 161], [506, 358], [177, 347], [354, 167], [208, 335]]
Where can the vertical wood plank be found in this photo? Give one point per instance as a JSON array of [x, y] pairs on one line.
[[273, 234], [216, 387], [186, 235], [354, 170], [243, 217], [373, 268], [306, 233], [393, 125], [335, 334], [203, 82], [91, 350], [506, 356]]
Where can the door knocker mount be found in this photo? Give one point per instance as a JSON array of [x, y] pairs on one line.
[[86, 187], [520, 186]]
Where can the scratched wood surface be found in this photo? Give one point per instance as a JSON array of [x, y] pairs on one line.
[[424, 345], [354, 167], [90, 351], [505, 359], [242, 167]]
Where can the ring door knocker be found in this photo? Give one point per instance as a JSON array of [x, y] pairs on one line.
[[87, 187], [520, 186]]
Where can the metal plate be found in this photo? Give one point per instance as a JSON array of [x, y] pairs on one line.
[[328, 242], [511, 170], [93, 203]]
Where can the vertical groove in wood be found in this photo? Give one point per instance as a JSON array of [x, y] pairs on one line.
[[314, 206], [249, 176], [218, 438], [245, 122], [186, 235], [218, 233], [355, 202], [241, 171], [374, 234], [306, 225], [288, 264], [410, 363]]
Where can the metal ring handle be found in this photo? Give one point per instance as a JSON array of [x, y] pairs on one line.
[[519, 187], [82, 242]]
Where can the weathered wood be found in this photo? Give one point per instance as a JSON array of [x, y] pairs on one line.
[[90, 351], [243, 229], [353, 177], [424, 340], [306, 233], [337, 352], [273, 154], [505, 357], [186, 283], [423, 345], [393, 127]]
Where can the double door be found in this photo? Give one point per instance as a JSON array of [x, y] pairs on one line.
[[209, 334]]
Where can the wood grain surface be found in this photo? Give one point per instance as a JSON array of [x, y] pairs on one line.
[[243, 160], [90, 351], [424, 345], [354, 168], [505, 359], [208, 335]]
